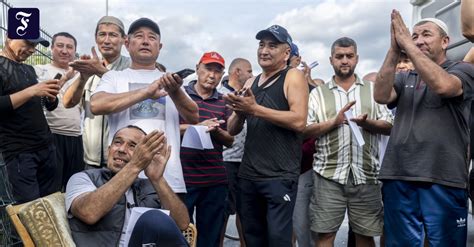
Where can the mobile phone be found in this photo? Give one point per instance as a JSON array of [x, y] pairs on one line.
[[58, 76], [311, 65], [184, 73]]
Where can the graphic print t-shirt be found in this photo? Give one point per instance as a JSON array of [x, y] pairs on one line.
[[149, 115]]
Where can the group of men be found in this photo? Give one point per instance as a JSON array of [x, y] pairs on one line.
[[135, 115]]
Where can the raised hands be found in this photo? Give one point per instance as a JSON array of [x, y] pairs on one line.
[[89, 65], [242, 102], [156, 168], [146, 150], [400, 36]]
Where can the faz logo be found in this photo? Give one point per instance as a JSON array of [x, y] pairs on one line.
[[23, 23]]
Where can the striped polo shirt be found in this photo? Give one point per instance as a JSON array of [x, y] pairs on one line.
[[205, 167], [337, 152]]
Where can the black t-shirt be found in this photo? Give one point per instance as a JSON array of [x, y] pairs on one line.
[[430, 136], [23, 129]]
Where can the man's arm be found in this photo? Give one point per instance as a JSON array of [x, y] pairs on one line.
[[187, 108], [296, 90], [169, 200], [90, 207], [103, 103], [467, 19], [48, 88], [435, 77], [74, 92], [384, 92], [373, 126], [318, 129], [469, 56], [235, 123]]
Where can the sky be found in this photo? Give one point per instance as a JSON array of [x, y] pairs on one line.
[[190, 28]]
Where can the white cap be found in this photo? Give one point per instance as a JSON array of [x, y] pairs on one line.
[[436, 21]]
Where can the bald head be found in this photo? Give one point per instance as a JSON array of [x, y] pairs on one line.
[[240, 70], [370, 76]]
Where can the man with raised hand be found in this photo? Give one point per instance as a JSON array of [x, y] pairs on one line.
[[425, 167], [142, 95], [100, 201], [274, 105], [109, 37]]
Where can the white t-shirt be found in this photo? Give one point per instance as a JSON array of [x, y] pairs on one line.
[[61, 121], [81, 183], [149, 115]]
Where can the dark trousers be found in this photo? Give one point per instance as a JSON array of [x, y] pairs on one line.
[[210, 204], [69, 155], [232, 168], [33, 175], [154, 228], [266, 210]]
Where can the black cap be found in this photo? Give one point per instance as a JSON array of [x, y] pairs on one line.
[[144, 22], [39, 40], [278, 32]]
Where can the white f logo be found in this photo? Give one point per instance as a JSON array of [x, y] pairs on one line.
[[24, 21]]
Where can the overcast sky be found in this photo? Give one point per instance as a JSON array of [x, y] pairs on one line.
[[190, 28]]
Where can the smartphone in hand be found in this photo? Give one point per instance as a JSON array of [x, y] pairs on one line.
[[311, 65], [184, 73]]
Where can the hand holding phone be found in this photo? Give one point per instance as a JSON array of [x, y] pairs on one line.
[[311, 65], [184, 73]]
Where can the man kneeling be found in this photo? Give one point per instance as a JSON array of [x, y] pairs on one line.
[[99, 201]]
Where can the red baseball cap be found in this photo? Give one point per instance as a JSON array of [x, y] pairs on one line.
[[212, 57]]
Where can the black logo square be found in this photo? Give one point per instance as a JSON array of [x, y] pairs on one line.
[[23, 23]]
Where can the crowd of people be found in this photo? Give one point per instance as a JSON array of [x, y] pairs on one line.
[[291, 156]]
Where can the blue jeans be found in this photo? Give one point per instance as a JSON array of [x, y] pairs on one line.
[[210, 206], [415, 209]]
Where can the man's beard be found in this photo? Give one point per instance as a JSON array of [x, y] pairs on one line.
[[342, 75]]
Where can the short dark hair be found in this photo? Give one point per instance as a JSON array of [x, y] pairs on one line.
[[343, 42], [64, 34], [129, 127]]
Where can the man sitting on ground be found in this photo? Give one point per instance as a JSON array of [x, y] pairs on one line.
[[99, 201]]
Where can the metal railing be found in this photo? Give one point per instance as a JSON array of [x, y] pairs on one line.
[[41, 55]]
